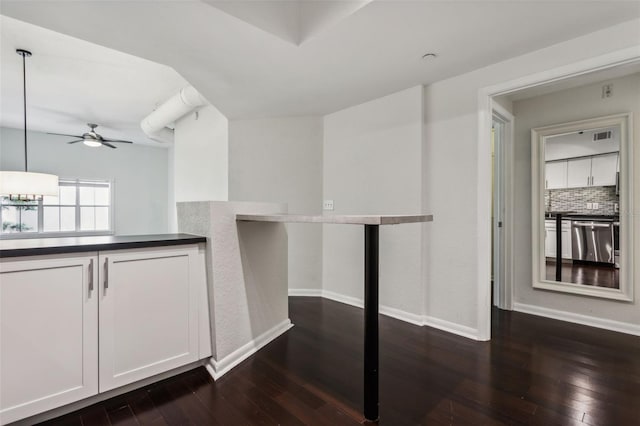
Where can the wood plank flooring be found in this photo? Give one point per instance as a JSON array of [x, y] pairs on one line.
[[597, 275], [535, 371]]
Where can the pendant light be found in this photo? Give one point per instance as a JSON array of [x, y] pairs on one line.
[[27, 186]]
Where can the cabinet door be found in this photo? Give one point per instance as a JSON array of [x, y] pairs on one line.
[[579, 172], [48, 334], [550, 238], [148, 313], [556, 175], [603, 169]]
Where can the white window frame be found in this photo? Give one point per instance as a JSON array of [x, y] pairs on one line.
[[71, 182]]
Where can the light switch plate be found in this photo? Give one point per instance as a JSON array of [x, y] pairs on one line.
[[327, 205]]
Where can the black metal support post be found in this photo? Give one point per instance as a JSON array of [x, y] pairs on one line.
[[558, 247], [371, 322]]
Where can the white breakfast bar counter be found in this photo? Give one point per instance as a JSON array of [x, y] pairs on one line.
[[371, 225]]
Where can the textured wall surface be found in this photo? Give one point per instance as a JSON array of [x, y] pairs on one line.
[[246, 270], [280, 160], [372, 165]]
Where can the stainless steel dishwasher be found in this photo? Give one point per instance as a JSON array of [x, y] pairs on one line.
[[592, 241]]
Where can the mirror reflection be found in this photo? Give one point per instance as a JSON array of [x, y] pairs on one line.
[[581, 203]]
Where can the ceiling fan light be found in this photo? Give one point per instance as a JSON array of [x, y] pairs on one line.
[[93, 144], [28, 186]]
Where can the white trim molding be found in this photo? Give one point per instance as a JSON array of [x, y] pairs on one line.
[[347, 300], [305, 292], [219, 368], [606, 324], [451, 327], [411, 318]]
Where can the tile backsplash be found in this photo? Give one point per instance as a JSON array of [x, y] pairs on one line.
[[576, 199]]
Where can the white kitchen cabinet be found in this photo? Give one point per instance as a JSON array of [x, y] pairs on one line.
[[556, 174], [598, 170], [48, 333], [579, 172], [75, 325], [148, 313], [603, 169], [550, 239]]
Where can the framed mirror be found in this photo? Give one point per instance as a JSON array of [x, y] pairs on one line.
[[582, 193]]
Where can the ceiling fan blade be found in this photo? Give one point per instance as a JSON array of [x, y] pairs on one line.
[[108, 144], [115, 140], [64, 134], [79, 140]]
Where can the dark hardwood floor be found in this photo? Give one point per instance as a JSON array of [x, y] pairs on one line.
[[586, 273], [534, 371]]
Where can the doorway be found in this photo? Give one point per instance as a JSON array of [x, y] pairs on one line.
[[501, 140], [486, 106]]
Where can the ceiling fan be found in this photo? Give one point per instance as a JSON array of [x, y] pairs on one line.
[[93, 139]]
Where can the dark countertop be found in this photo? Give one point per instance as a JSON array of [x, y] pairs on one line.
[[574, 215], [42, 246]]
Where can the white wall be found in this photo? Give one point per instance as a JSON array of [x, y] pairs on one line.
[[372, 165], [561, 107], [280, 160], [139, 174], [201, 156], [453, 251]]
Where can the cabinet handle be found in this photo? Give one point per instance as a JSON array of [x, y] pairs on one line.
[[588, 179], [90, 276], [546, 184], [106, 273]]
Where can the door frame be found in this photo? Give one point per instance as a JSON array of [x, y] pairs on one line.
[[483, 178], [503, 289]]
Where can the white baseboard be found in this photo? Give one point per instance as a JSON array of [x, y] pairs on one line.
[[399, 314], [218, 368], [451, 327], [347, 300], [305, 292], [606, 324]]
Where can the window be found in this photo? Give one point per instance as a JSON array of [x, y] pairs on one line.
[[82, 207]]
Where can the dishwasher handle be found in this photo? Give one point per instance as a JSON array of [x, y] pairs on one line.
[[592, 224]]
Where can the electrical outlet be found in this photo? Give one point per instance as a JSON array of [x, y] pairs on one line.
[[607, 91], [596, 206], [327, 205], [589, 206]]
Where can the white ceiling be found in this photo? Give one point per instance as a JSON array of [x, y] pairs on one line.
[[294, 21], [71, 82], [276, 58]]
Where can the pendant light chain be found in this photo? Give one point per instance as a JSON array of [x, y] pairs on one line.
[[27, 186], [24, 104]]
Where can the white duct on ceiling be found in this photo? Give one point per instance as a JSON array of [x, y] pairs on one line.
[[155, 124]]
